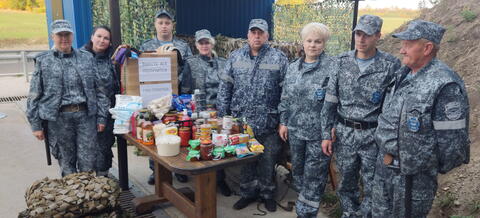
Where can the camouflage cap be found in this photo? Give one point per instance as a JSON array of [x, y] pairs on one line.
[[370, 24], [258, 23], [420, 29], [61, 26], [164, 12], [202, 34]]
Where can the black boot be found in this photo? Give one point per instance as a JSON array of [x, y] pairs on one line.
[[181, 178], [271, 205], [243, 202], [224, 189], [151, 179]]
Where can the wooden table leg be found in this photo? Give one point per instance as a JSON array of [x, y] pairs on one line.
[[206, 199], [145, 204]]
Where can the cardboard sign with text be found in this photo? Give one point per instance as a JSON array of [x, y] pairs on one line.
[[151, 76]]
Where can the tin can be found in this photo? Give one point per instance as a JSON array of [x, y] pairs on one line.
[[185, 135], [227, 122]]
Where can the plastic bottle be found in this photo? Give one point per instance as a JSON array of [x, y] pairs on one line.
[[200, 100]]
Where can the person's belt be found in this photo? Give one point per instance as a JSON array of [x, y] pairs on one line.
[[73, 107], [357, 124]]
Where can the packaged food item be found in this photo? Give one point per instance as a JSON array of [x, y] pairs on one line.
[[206, 149], [205, 132], [185, 119], [219, 139], [168, 145], [227, 122], [255, 146], [185, 134], [218, 153], [193, 155], [234, 139], [169, 118], [230, 151], [243, 138], [242, 150], [213, 123], [213, 113], [194, 144], [170, 130]]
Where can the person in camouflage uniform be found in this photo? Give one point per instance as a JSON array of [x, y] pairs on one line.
[[423, 128], [66, 92], [100, 47], [352, 104], [301, 102], [164, 27], [202, 72], [250, 88]]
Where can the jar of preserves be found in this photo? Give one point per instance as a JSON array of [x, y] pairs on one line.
[[206, 149]]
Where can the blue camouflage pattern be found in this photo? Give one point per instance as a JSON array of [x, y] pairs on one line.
[[182, 46], [424, 126], [420, 29], [303, 95], [250, 87], [202, 72], [72, 135], [106, 72], [356, 95]]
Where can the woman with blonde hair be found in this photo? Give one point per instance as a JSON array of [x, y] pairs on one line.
[[301, 102]]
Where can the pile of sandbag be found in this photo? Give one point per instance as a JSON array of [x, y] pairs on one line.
[[71, 196]]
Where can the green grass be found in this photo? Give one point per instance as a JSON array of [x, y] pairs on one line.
[[16, 25], [392, 18]]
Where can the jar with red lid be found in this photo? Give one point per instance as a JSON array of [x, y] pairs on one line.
[[206, 149]]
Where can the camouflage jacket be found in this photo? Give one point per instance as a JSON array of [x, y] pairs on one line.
[[106, 72], [425, 119], [46, 87], [201, 72], [250, 87], [153, 44], [302, 97], [356, 95]]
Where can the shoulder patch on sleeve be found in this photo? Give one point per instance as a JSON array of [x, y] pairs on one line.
[[453, 110]]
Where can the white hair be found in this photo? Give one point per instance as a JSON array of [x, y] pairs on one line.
[[315, 28]]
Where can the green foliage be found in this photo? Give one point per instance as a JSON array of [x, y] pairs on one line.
[[475, 207], [468, 15], [447, 200], [336, 14], [137, 17], [329, 198]]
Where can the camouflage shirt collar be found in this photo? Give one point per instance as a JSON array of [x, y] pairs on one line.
[[317, 65], [60, 54], [262, 51]]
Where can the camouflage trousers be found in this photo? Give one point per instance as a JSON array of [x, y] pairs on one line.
[[356, 153], [105, 139], [73, 141], [389, 192], [258, 178], [310, 172]]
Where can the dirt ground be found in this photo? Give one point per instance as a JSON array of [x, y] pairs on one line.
[[459, 191]]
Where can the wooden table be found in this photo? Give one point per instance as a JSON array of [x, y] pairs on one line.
[[203, 202]]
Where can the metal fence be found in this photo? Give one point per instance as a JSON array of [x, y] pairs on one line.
[[20, 56]]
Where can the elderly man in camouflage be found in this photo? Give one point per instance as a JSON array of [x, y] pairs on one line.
[[66, 92], [202, 72], [251, 89], [352, 104], [301, 102], [423, 128], [164, 27]]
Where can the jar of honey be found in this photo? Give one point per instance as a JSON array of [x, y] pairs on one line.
[[206, 149]]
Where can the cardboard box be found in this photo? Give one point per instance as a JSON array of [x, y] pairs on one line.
[[151, 76]]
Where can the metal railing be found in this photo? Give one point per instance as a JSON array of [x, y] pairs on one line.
[[23, 56]]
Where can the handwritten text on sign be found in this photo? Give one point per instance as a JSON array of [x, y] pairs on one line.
[[154, 69]]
